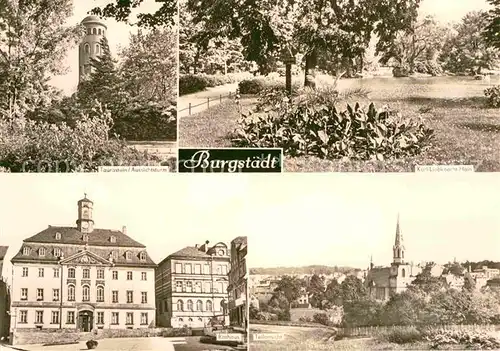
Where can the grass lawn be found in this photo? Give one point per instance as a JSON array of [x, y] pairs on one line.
[[466, 133]]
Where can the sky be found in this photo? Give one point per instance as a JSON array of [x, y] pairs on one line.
[[289, 219], [118, 36], [451, 10]]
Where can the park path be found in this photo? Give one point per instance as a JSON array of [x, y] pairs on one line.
[[201, 98]]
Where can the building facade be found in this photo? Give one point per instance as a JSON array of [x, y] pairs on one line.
[[191, 286], [382, 282], [4, 298], [90, 47], [82, 278], [238, 283]]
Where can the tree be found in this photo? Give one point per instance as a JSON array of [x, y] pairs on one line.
[[405, 308], [427, 283], [352, 289], [33, 38], [266, 28], [290, 287], [492, 29], [316, 290], [362, 312], [467, 50], [333, 295], [121, 11], [149, 65]]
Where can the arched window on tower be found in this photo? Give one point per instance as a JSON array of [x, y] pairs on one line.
[[94, 31], [86, 48], [88, 31], [100, 31], [97, 49], [403, 273]]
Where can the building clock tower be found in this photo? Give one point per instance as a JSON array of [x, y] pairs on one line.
[[85, 223]]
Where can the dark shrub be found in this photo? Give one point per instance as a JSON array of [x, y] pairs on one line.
[[321, 318], [191, 83], [252, 86], [91, 344], [321, 130], [401, 71], [493, 95], [403, 335]]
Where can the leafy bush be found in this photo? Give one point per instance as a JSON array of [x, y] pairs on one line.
[[252, 86], [321, 130], [191, 83], [403, 335], [148, 121], [321, 318], [474, 340], [34, 146], [493, 95], [262, 85], [91, 344], [401, 71]]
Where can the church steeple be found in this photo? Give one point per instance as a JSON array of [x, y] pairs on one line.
[[398, 249], [85, 223]]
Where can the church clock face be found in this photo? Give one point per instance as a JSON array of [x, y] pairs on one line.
[[221, 252], [85, 225]]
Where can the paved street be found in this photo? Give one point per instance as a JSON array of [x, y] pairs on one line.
[[118, 344], [193, 344]]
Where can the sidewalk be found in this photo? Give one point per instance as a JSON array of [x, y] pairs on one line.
[[201, 98]]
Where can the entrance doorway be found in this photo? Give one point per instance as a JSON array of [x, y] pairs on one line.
[[85, 321]]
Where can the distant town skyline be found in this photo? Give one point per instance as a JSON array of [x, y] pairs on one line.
[[343, 219], [118, 35]]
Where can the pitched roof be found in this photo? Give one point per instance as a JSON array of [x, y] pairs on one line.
[[71, 235], [378, 276], [3, 251], [190, 251]]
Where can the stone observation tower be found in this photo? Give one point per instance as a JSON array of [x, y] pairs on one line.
[[90, 47]]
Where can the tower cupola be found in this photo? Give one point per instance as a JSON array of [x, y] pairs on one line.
[[85, 223]]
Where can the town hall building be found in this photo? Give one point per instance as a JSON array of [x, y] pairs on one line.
[[383, 282], [82, 278]]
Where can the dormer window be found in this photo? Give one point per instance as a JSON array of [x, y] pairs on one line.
[[128, 255], [85, 237], [58, 236], [142, 256], [57, 252], [114, 254], [112, 239], [26, 250], [41, 251]]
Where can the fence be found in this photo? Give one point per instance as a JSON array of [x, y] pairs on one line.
[[380, 330], [207, 102]]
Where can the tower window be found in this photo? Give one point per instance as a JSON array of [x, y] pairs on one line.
[[403, 273], [88, 31], [99, 31], [86, 48], [94, 31], [97, 48]]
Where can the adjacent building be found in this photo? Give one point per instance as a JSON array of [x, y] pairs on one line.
[[382, 282], [82, 277], [191, 286], [238, 283], [4, 298]]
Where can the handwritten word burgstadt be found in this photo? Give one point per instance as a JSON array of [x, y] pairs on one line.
[[201, 159]]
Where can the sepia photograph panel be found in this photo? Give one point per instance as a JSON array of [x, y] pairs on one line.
[[85, 84], [399, 262], [365, 86], [101, 264]]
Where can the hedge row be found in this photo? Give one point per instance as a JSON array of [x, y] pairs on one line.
[[192, 83]]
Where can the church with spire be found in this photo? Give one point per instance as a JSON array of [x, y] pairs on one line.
[[383, 282]]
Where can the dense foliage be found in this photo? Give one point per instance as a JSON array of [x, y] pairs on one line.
[[302, 127], [493, 96], [192, 83]]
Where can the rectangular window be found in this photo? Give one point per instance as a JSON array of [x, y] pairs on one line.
[[130, 296], [86, 273], [144, 276], [24, 293], [100, 274], [178, 268], [115, 318], [39, 294], [187, 268], [144, 297], [55, 317], [100, 294], [130, 318], [129, 275], [25, 271], [197, 269], [206, 269], [39, 317], [23, 316], [115, 275], [178, 286], [100, 317], [115, 296], [56, 272], [144, 318], [55, 294], [40, 272], [70, 317]]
